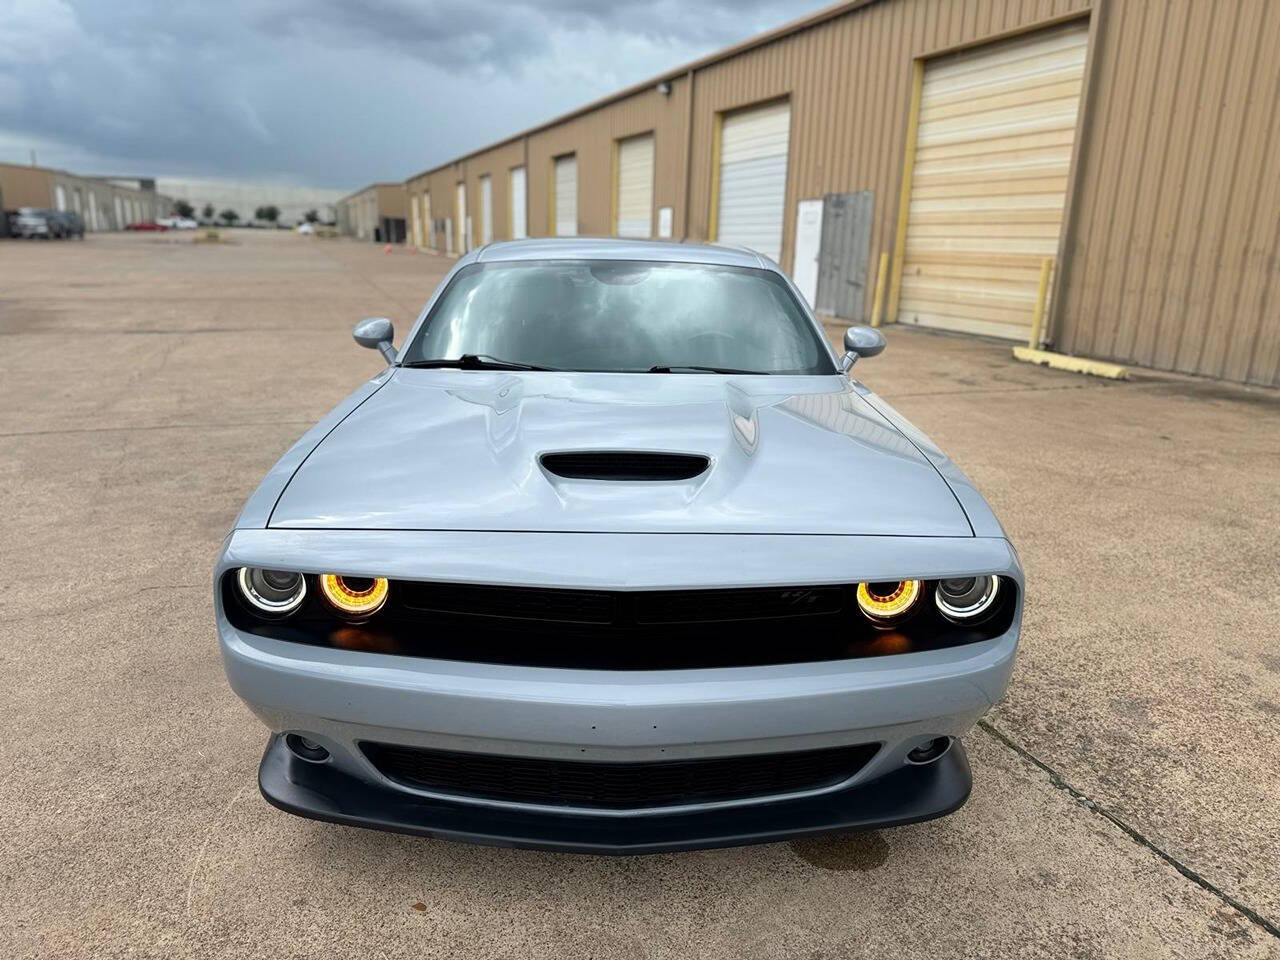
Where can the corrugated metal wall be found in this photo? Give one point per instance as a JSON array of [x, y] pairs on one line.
[[1172, 254]]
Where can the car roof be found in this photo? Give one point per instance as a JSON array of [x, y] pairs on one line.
[[615, 248]]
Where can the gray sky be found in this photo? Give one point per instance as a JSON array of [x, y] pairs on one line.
[[325, 92]]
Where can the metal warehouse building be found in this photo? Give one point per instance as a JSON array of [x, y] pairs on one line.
[[1131, 144], [103, 202], [376, 212]]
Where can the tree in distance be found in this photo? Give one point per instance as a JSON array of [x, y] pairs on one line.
[[311, 216], [207, 212], [229, 216], [185, 210]]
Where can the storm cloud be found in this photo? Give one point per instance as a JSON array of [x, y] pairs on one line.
[[325, 92]]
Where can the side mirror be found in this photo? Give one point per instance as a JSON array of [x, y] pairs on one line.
[[376, 333], [861, 342]]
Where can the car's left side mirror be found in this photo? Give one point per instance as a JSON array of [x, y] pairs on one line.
[[376, 333], [861, 342]]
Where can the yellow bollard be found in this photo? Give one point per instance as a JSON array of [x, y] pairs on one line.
[[878, 302], [1037, 318]]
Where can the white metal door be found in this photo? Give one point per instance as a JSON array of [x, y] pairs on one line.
[[993, 153], [486, 210], [635, 186], [448, 235], [416, 215], [93, 211], [460, 215], [808, 244], [429, 225], [565, 196], [519, 204], [119, 205], [753, 178], [60, 197]]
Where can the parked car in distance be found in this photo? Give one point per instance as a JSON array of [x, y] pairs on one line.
[[36, 222], [306, 228], [615, 557], [145, 225], [70, 223], [177, 223]]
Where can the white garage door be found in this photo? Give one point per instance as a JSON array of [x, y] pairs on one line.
[[635, 186], [519, 205], [565, 199], [460, 216], [753, 178], [486, 209], [993, 153]]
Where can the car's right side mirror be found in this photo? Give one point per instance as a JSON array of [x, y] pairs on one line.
[[861, 342], [376, 333]]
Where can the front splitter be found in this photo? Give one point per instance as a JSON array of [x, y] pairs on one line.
[[323, 792]]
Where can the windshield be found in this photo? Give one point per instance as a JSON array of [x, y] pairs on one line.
[[622, 316]]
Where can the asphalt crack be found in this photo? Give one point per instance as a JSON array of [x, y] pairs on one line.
[[1057, 780]]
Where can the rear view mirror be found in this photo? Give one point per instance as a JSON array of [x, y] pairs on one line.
[[376, 333]]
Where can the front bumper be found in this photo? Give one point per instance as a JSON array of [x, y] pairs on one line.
[[322, 792], [341, 698]]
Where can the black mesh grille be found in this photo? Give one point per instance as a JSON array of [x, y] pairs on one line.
[[616, 785], [624, 465]]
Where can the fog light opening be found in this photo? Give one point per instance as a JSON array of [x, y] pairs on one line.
[[930, 751], [305, 749]]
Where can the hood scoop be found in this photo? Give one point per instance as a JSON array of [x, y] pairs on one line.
[[624, 465]]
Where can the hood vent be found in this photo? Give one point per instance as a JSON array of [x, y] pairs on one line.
[[624, 465]]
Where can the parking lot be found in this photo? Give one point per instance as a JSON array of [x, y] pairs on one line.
[[1125, 799]]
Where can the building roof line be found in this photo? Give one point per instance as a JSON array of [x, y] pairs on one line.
[[371, 186], [727, 53]]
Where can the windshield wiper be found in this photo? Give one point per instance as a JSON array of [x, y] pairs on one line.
[[475, 361], [689, 368]]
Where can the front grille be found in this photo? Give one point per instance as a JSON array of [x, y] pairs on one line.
[[624, 465], [620, 608], [616, 786]]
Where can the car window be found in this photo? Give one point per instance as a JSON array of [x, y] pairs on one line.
[[628, 316]]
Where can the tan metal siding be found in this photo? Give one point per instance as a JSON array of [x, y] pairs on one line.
[[25, 186], [1173, 261]]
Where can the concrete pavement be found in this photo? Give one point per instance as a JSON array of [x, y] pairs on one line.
[[1125, 798]]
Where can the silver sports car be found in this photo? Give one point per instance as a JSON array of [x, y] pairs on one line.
[[616, 557]]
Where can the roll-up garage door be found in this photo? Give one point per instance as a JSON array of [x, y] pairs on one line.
[[565, 199], [519, 205], [635, 186], [486, 210], [989, 183], [753, 178], [460, 216]]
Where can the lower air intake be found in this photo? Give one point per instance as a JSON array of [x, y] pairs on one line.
[[616, 785]]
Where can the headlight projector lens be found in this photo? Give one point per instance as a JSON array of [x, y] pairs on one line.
[[354, 596], [888, 601], [274, 592], [966, 598]]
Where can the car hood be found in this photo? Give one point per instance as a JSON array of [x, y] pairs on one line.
[[460, 450]]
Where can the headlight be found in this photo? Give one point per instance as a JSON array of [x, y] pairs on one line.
[[354, 596], [964, 598], [888, 601], [274, 592]]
